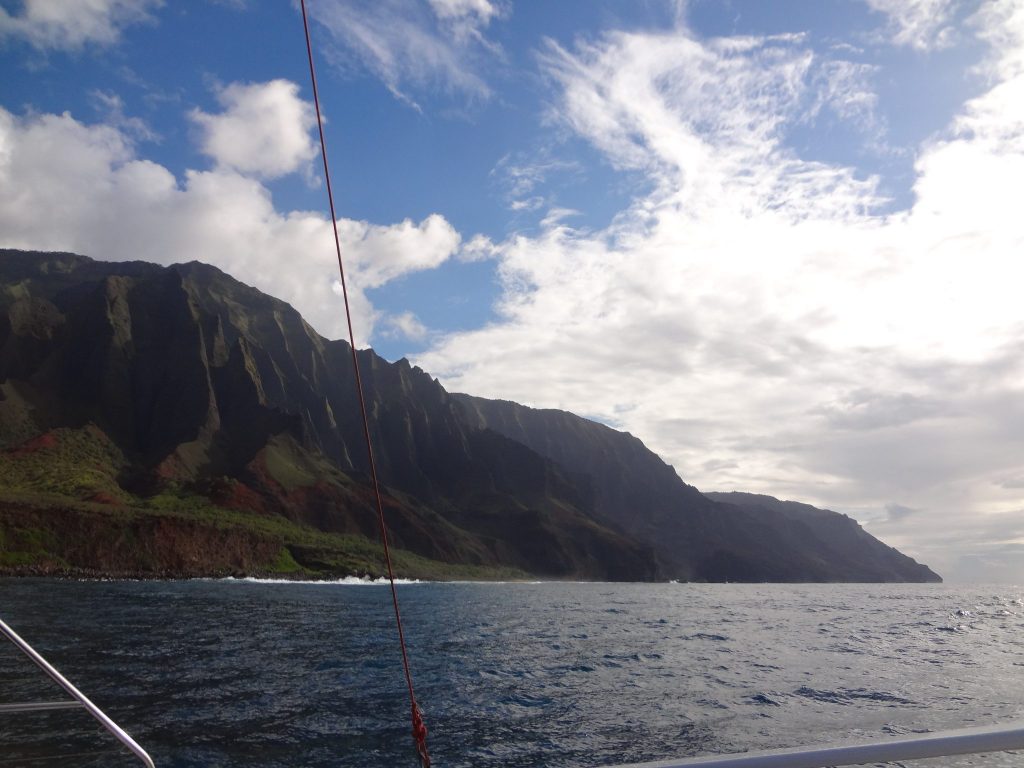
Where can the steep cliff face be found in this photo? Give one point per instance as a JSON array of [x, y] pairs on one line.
[[633, 489], [203, 383], [711, 537], [841, 547], [196, 377]]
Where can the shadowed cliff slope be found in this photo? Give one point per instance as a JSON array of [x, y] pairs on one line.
[[204, 383], [848, 551], [711, 537], [206, 388]]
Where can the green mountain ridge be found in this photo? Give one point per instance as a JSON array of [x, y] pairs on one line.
[[137, 394]]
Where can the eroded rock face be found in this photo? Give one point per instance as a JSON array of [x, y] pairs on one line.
[[707, 537], [199, 380]]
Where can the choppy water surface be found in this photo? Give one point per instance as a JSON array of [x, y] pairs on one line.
[[234, 673]]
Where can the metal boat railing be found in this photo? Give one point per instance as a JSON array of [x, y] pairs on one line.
[[80, 699], [964, 741]]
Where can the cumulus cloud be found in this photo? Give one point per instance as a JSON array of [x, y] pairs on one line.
[[411, 45], [381, 254], [920, 24], [49, 25], [755, 317], [264, 129], [66, 185]]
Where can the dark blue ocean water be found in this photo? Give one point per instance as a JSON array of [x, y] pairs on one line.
[[235, 673]]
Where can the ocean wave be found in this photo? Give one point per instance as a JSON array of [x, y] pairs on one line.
[[346, 581]]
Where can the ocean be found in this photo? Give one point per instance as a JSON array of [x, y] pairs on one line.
[[240, 673]]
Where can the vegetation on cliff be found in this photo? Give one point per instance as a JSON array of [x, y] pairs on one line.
[[175, 421]]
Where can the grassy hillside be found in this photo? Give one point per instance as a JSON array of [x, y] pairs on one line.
[[62, 511]]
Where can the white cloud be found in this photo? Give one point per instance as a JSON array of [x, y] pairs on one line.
[[704, 120], [479, 248], [406, 325], [111, 106], [921, 24], [264, 129], [410, 46], [997, 117], [465, 20], [520, 176], [528, 204], [845, 89], [480, 10], [65, 185], [755, 318], [988, 549], [898, 511], [53, 24], [381, 254]]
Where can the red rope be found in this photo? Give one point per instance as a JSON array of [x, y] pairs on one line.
[[419, 729]]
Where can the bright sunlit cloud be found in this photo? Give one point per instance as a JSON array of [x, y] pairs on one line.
[[756, 317], [263, 130], [67, 185]]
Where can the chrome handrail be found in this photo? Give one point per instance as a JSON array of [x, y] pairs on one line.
[[80, 698], [963, 741]]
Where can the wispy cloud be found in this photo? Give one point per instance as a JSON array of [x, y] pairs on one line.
[[920, 24], [411, 45], [405, 325], [845, 89], [465, 20], [479, 248], [48, 25], [476, 12], [706, 120], [111, 106], [520, 176]]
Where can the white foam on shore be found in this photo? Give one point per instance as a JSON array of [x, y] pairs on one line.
[[346, 581]]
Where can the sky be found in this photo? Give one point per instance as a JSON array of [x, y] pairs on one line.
[[781, 242]]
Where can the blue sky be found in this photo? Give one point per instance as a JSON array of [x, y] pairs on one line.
[[778, 241]]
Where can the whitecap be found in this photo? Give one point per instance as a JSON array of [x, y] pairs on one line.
[[344, 581]]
